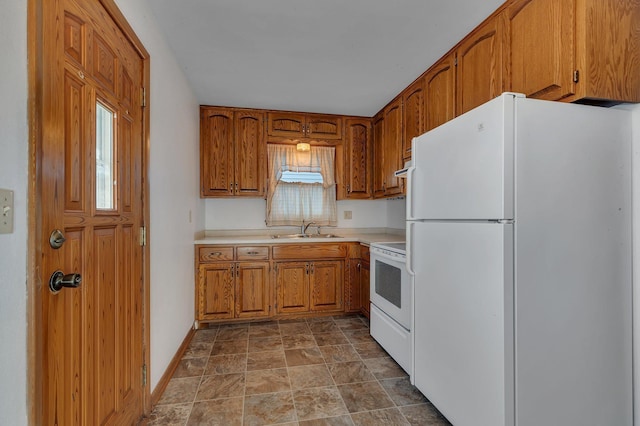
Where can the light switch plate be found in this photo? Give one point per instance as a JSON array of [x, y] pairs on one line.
[[6, 211]]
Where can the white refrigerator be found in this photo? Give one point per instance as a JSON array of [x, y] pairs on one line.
[[519, 247]]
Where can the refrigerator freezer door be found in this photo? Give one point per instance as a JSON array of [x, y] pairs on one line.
[[464, 168], [463, 320]]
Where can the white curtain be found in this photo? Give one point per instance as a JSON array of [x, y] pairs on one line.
[[291, 203]]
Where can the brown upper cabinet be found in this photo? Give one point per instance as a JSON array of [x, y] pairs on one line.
[[480, 65], [387, 150], [413, 117], [357, 147], [575, 49], [439, 92], [232, 152], [298, 125]]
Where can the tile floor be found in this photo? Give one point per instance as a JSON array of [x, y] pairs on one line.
[[318, 371]]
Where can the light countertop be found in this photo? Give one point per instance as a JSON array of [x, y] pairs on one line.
[[363, 236]]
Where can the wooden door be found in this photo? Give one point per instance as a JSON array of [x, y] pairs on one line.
[[286, 124], [352, 291], [323, 127], [326, 280], [480, 65], [413, 115], [378, 170], [358, 153], [252, 296], [216, 152], [440, 92], [542, 48], [216, 287], [90, 174], [392, 147], [292, 287], [250, 154]]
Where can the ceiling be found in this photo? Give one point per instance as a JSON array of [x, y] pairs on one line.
[[346, 57]]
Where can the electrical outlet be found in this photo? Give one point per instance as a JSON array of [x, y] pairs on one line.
[[6, 211], [347, 214]]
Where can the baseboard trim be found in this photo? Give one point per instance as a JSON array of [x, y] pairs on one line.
[[171, 368]]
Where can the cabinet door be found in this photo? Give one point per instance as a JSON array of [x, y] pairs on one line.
[[252, 289], [378, 155], [215, 291], [326, 281], [365, 288], [440, 92], [323, 127], [392, 147], [292, 287], [352, 291], [542, 46], [286, 124], [216, 152], [480, 65], [412, 116], [358, 152], [250, 154]]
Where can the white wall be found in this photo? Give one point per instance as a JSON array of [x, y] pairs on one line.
[[174, 182], [232, 213], [13, 247]]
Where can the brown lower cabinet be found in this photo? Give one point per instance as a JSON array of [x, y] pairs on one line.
[[279, 280], [364, 281]]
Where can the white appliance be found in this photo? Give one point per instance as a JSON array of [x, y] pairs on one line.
[[519, 245], [391, 301]]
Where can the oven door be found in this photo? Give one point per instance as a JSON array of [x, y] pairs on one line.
[[390, 287]]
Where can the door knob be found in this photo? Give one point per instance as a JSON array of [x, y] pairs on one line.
[[59, 280]]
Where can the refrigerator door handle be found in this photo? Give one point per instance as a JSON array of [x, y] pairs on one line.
[[410, 172], [410, 248]]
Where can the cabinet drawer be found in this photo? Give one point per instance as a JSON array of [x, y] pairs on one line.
[[215, 254], [309, 251], [252, 253]]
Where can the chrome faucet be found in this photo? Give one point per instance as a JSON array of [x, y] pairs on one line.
[[304, 227]]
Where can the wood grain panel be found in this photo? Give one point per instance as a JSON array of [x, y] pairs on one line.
[[413, 115], [126, 183], [283, 124], [542, 48], [214, 253], [352, 286], [126, 88], [326, 283], [126, 365], [75, 133], [309, 251], [365, 288], [252, 295], [609, 41], [252, 253], [392, 146], [480, 65], [292, 287], [216, 152], [74, 39], [440, 93], [358, 152], [104, 63], [216, 291], [250, 154], [378, 155], [324, 127]]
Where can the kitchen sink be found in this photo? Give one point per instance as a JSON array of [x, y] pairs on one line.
[[281, 236]]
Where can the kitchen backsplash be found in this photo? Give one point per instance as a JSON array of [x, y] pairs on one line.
[[233, 213]]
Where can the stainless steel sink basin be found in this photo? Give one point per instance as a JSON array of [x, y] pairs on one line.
[[281, 236]]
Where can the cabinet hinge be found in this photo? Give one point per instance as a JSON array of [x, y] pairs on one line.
[[144, 375], [143, 235], [576, 76], [143, 94]]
